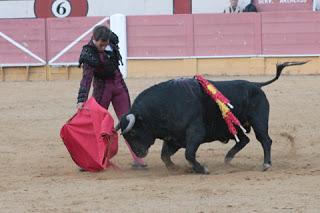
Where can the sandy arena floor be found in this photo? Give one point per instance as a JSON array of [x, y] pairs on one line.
[[38, 175]]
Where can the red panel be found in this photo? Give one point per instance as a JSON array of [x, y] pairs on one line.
[[291, 33], [64, 8], [182, 6], [227, 34], [154, 36], [30, 33], [170, 36], [283, 5], [62, 32]]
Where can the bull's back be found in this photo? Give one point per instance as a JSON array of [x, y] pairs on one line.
[[172, 105], [172, 96]]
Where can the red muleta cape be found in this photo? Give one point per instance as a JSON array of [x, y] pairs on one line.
[[90, 137]]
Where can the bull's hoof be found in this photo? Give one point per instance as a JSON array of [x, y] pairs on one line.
[[266, 166], [173, 168], [82, 170], [206, 170], [201, 170], [139, 166], [227, 160]]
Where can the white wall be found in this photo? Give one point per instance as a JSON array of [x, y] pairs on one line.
[[16, 9], [214, 6], [25, 8], [130, 7]]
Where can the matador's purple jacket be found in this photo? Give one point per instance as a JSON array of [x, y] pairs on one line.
[[108, 87]]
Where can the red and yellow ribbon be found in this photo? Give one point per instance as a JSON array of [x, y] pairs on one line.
[[223, 104]]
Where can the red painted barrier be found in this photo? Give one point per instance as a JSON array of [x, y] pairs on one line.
[[225, 34], [156, 36], [65, 37], [22, 41], [59, 41], [291, 33]]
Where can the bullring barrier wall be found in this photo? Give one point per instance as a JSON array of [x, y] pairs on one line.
[[165, 45]]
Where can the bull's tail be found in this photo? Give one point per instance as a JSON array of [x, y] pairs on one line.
[[280, 67]]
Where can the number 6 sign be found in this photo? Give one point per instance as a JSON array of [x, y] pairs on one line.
[[60, 8]]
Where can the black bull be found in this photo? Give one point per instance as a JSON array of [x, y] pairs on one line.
[[181, 114]]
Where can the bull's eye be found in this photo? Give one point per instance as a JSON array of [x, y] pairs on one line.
[[132, 132]]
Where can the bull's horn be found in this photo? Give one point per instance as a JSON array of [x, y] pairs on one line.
[[132, 119]]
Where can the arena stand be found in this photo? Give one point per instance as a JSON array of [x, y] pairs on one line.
[[165, 45]]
